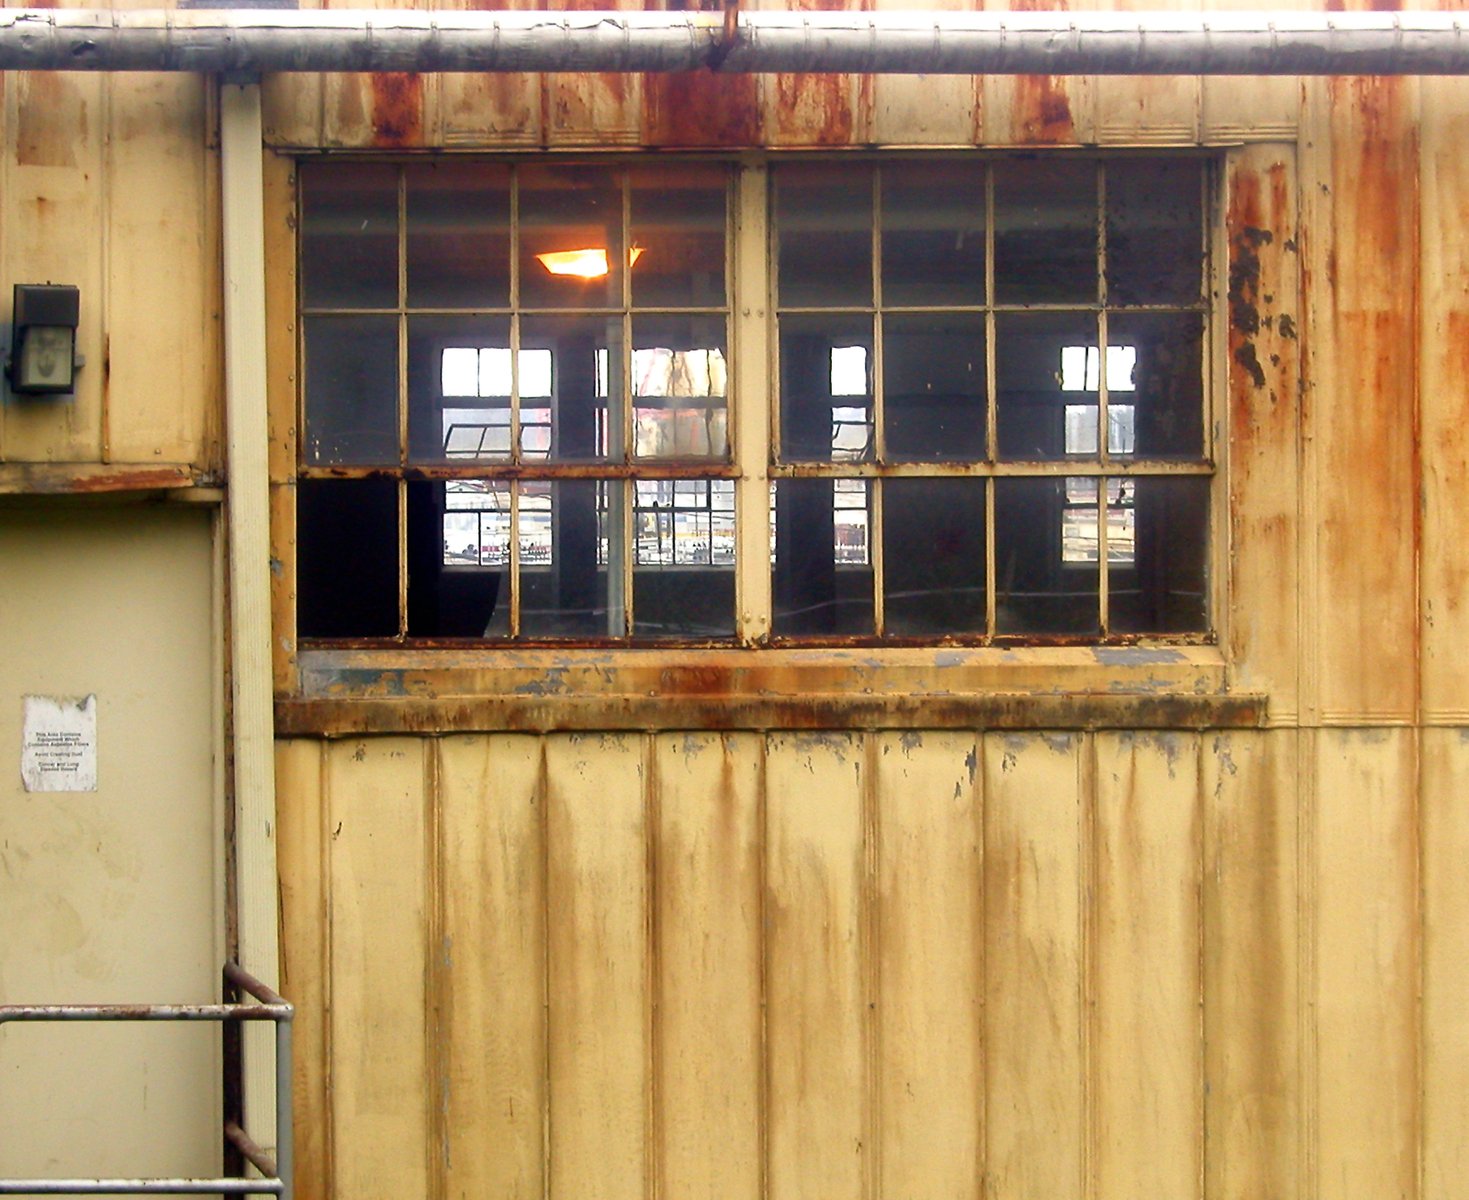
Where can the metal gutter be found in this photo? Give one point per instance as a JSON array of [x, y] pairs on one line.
[[911, 42]]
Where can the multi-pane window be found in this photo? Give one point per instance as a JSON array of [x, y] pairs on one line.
[[991, 407], [984, 415]]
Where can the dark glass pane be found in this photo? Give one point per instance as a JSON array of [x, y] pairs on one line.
[[458, 235], [451, 527], [934, 386], [351, 390], [1045, 372], [1166, 351], [1046, 232], [586, 362], [459, 380], [823, 226], [683, 577], [572, 249], [933, 556], [680, 378], [1043, 581], [563, 534], [679, 225], [1155, 246], [1164, 587], [349, 235], [347, 558], [822, 582], [826, 387], [933, 233]]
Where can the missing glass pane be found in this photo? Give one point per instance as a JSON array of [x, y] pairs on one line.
[[822, 578], [1163, 588], [347, 558], [1042, 582]]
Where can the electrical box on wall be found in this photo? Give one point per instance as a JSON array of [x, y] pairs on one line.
[[43, 360]]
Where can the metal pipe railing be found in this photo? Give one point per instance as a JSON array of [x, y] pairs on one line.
[[1077, 42], [276, 1173]]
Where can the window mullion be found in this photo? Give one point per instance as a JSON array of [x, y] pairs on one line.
[[751, 415]]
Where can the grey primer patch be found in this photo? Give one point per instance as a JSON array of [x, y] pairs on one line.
[[1137, 656]]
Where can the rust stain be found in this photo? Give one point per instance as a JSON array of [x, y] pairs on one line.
[[1450, 456], [1042, 109], [700, 108], [397, 109], [814, 110], [51, 120]]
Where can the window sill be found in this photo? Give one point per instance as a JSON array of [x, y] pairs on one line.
[[355, 691]]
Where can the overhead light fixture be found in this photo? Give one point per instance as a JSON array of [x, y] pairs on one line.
[[582, 264], [43, 334]]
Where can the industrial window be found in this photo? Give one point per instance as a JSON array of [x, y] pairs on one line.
[[973, 406]]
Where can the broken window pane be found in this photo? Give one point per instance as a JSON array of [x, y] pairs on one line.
[[563, 534], [679, 381], [933, 555], [458, 235], [347, 558], [349, 235], [823, 222], [678, 222], [352, 379], [1031, 412], [1164, 589], [572, 249], [1043, 580], [824, 360], [933, 235], [1169, 379], [1155, 247], [458, 558], [822, 575], [1046, 232], [934, 386], [682, 582]]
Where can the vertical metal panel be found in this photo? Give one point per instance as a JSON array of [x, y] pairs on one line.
[[1152, 110], [593, 110], [597, 915], [813, 109], [708, 936], [1359, 180], [290, 103], [279, 175], [930, 964], [1019, 110], [1366, 963], [701, 109], [489, 109], [1443, 333], [304, 866], [1146, 1060], [386, 110], [1445, 963], [925, 110], [379, 865], [491, 1034], [160, 373], [816, 1003], [54, 126], [1251, 108], [1261, 419], [1252, 1113], [1035, 1078]]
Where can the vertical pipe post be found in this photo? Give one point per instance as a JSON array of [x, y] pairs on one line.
[[243, 214]]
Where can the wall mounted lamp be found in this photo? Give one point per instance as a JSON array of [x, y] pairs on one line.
[[43, 336]]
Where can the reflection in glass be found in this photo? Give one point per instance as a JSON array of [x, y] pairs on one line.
[[679, 381], [1043, 581], [683, 584], [570, 208], [1155, 245], [678, 222], [934, 387], [579, 350], [458, 235], [349, 235], [1031, 405], [352, 386], [563, 558], [459, 377], [1169, 378], [822, 580], [933, 226], [458, 558], [1046, 233], [933, 555], [823, 226], [1164, 587], [823, 360]]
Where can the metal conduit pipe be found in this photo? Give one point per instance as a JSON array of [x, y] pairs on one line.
[[913, 42]]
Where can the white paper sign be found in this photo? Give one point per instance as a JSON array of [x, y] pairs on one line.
[[58, 751]]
